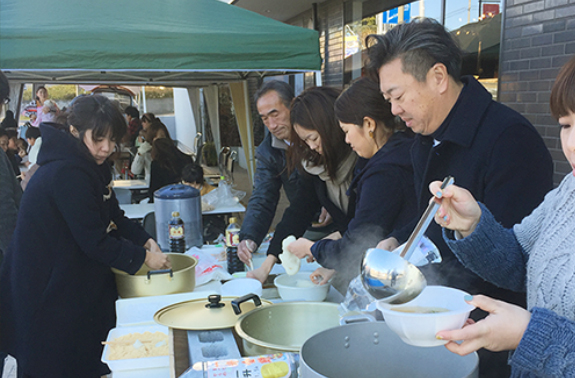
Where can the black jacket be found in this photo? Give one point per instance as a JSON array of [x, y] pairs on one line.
[[271, 175], [496, 154], [161, 176], [384, 201], [10, 194], [57, 292]]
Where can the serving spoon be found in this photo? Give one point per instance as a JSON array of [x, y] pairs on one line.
[[391, 278]]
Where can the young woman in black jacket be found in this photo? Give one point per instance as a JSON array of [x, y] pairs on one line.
[[57, 291]]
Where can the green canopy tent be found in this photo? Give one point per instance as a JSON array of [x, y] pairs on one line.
[[180, 43]]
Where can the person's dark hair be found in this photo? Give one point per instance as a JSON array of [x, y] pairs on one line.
[[419, 44], [21, 143], [4, 88], [99, 114], [363, 99], [33, 133], [313, 109], [562, 100], [61, 119], [156, 128], [132, 111], [193, 173], [283, 89], [41, 88], [9, 122], [148, 117], [12, 134], [165, 152]]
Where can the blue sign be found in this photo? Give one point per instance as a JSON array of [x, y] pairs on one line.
[[391, 16]]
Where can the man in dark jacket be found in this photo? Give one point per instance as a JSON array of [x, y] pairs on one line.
[[10, 191], [273, 102], [488, 148]]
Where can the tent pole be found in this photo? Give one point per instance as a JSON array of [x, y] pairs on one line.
[[240, 99], [317, 78]]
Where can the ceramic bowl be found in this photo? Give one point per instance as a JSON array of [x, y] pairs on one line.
[[445, 310], [239, 287], [299, 287]]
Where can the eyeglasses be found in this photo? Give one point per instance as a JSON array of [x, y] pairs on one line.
[[6, 100]]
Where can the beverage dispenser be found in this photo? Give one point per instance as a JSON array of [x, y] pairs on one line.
[[185, 200]]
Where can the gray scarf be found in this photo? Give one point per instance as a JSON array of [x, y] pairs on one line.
[[336, 188]]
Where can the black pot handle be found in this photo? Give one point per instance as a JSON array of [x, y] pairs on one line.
[[236, 302], [161, 271]]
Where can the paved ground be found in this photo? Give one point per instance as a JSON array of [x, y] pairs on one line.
[[242, 182]]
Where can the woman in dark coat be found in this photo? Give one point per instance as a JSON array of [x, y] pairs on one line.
[[167, 164], [57, 291], [382, 182]]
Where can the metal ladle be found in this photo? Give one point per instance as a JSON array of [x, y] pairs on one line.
[[392, 278]]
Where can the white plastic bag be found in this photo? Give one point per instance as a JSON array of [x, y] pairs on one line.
[[208, 267], [223, 196]]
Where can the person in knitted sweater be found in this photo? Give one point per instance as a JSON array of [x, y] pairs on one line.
[[535, 256]]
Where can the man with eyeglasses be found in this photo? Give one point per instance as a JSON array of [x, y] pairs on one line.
[[10, 191]]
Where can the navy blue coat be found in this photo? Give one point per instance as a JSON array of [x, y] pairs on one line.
[[384, 201], [271, 175], [57, 292], [496, 154]]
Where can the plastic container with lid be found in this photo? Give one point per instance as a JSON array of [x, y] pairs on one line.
[[185, 200]]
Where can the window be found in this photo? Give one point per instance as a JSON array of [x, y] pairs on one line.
[[475, 24]]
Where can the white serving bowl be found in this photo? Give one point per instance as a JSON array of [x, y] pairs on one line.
[[300, 287], [239, 287], [419, 329]]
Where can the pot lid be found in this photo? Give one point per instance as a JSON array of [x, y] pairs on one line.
[[214, 312], [176, 191]]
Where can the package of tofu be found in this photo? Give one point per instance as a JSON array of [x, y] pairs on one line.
[[280, 365]]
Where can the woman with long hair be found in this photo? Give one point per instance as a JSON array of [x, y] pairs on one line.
[[167, 164], [382, 186], [57, 291], [356, 202], [142, 162]]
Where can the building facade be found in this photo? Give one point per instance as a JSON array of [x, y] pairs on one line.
[[515, 48]]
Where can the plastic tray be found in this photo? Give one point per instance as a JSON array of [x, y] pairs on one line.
[[135, 363]]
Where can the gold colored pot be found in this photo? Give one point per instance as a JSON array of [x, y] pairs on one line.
[[204, 314], [284, 327], [180, 279]]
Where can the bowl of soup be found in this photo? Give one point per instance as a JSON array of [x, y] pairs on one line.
[[437, 308]]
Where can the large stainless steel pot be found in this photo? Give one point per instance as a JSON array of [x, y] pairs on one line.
[[373, 350], [180, 278], [284, 327]]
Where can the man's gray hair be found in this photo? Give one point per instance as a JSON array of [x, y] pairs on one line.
[[283, 89]]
